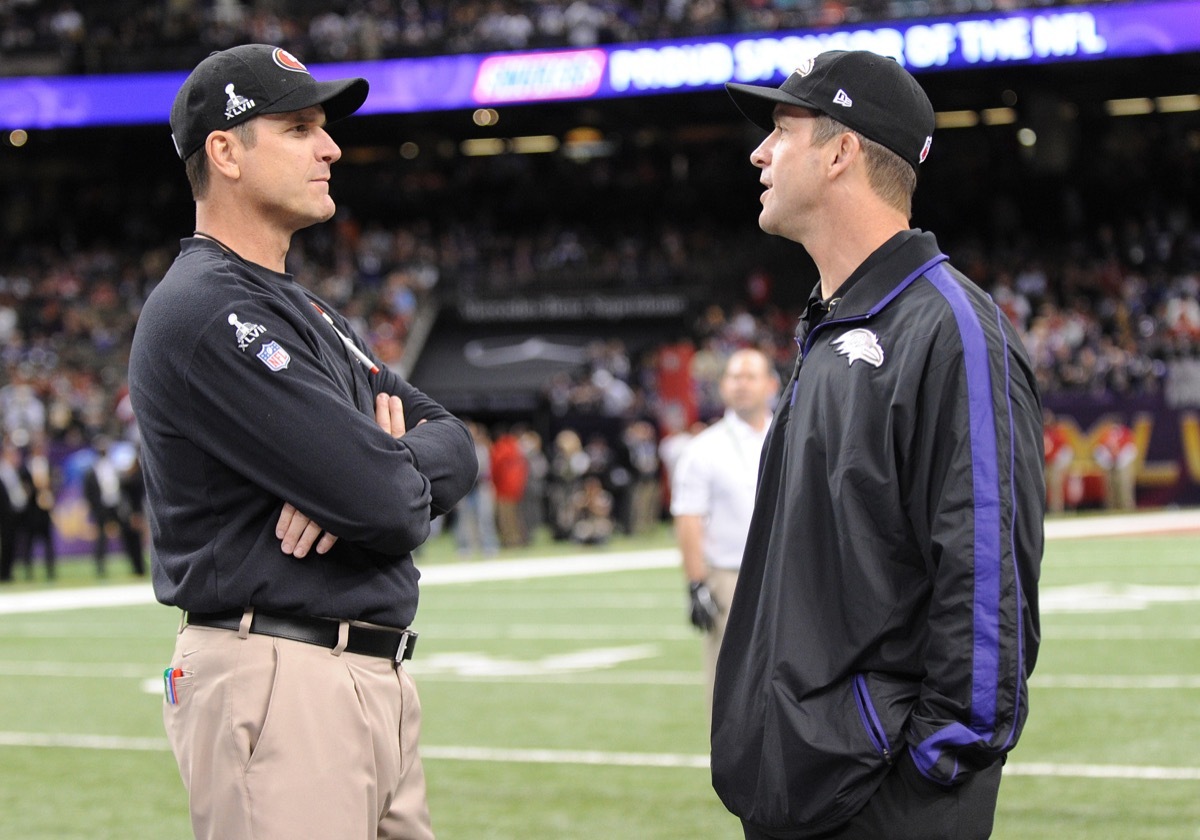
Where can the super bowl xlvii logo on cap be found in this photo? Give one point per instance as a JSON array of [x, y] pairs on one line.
[[806, 66], [859, 344], [274, 356], [925, 149], [246, 334], [288, 61], [237, 103]]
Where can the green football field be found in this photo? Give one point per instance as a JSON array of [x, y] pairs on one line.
[[563, 699]]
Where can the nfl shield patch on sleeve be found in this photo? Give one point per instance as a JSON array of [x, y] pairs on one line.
[[274, 356]]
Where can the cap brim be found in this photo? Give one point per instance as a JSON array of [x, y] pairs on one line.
[[339, 98], [758, 102]]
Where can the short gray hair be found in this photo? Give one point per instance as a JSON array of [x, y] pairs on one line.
[[196, 166], [891, 176]]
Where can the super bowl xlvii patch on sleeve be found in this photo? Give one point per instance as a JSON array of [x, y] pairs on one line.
[[246, 334]]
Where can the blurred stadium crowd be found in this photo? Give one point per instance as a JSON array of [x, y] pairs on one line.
[[1097, 266], [1102, 310]]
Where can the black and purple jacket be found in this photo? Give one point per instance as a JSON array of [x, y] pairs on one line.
[[887, 604]]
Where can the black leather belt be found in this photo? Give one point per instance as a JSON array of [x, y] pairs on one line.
[[396, 645]]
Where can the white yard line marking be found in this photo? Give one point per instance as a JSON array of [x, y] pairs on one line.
[[684, 632], [1105, 771], [1120, 682], [449, 573], [1112, 597], [1159, 522], [82, 742], [597, 757], [593, 678], [69, 599], [590, 757], [537, 567], [91, 670], [472, 664], [1130, 633]]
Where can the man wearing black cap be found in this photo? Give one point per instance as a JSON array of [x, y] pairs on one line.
[[873, 673], [289, 476]]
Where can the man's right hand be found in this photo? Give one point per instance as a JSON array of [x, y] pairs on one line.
[[704, 608]]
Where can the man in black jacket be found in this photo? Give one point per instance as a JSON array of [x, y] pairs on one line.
[[108, 502], [13, 501], [873, 673], [289, 476]]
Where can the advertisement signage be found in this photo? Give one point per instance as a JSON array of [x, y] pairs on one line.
[[1022, 37]]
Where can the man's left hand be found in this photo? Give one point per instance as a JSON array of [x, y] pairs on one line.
[[704, 608], [297, 533]]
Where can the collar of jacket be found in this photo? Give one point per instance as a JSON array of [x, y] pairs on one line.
[[909, 254]]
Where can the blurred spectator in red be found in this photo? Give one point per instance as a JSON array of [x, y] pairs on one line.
[[1181, 313], [1059, 455], [1117, 454], [510, 475], [674, 381]]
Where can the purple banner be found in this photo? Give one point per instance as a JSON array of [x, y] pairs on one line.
[[1067, 33]]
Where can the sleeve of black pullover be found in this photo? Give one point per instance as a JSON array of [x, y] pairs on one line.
[[978, 510], [441, 446], [272, 410]]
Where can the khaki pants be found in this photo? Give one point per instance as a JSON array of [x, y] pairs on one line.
[[721, 583], [283, 740], [510, 524]]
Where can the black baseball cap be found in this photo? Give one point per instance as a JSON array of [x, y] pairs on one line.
[[233, 85], [867, 92]]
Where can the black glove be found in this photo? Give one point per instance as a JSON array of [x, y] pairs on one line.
[[704, 608]]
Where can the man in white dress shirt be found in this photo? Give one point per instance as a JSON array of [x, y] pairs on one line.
[[712, 494]]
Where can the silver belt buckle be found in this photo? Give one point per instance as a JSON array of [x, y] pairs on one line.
[[408, 639]]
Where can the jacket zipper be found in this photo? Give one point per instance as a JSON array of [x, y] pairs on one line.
[[870, 720]]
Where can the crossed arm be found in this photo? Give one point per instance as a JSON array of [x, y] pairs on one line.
[[296, 532]]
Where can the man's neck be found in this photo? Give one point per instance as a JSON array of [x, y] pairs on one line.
[[756, 420], [840, 259], [248, 238], [847, 235]]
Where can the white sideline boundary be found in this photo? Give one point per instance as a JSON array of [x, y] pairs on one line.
[[599, 758], [1180, 521], [135, 594]]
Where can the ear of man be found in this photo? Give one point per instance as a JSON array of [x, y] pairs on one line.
[[200, 165], [846, 149], [224, 149]]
